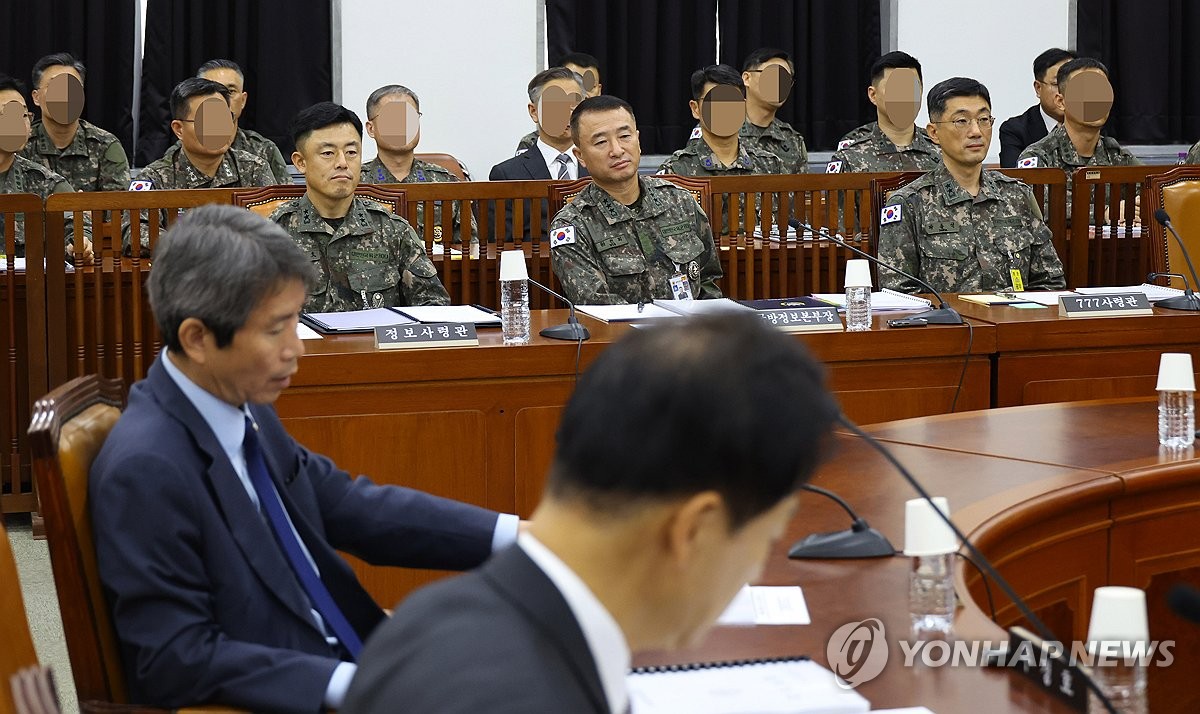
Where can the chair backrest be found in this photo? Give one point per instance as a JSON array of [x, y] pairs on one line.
[[16, 652], [266, 199], [446, 161], [66, 431], [882, 190], [698, 187], [1178, 192], [561, 193], [33, 692]]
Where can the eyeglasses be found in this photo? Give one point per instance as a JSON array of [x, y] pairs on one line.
[[962, 124]]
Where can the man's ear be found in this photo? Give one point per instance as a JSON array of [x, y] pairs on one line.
[[195, 338], [693, 524], [1060, 104], [177, 129], [578, 156], [370, 128], [533, 114], [37, 97], [873, 95], [298, 161], [932, 130], [695, 107]]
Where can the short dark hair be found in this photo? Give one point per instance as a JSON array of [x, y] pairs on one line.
[[546, 76], [579, 59], [194, 87], [7, 82], [1070, 68], [946, 90], [762, 55], [602, 103], [1043, 62], [213, 64], [319, 116], [66, 59], [386, 91], [642, 422], [716, 74], [216, 264], [894, 60]]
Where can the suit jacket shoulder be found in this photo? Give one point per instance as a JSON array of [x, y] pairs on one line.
[[526, 166]]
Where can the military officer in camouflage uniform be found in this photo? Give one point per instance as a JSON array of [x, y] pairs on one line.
[[393, 121], [892, 142], [624, 238], [366, 256], [1085, 96], [588, 68], [88, 157], [228, 72], [768, 74], [20, 175], [959, 227]]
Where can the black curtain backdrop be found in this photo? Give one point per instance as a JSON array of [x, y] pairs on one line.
[[283, 46], [98, 32], [832, 44], [647, 53], [1151, 52]]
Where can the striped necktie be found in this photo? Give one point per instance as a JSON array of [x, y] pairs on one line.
[[563, 162]]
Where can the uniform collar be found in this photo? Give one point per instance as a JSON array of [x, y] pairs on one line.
[[709, 160], [78, 146], [614, 212], [356, 221], [953, 193], [1071, 156]]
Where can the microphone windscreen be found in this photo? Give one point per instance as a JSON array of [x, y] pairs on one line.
[[1185, 601], [1161, 216]]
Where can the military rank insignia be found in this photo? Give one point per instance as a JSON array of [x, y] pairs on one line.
[[562, 236], [890, 214]]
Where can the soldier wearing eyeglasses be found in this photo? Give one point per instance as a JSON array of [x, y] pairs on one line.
[[959, 227]]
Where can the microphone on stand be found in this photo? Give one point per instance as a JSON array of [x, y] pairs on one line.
[[860, 541], [943, 314], [1188, 300], [572, 329]]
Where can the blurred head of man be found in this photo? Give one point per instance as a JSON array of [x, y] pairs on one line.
[[14, 119], [553, 95], [662, 511], [587, 68], [718, 100], [1045, 79], [202, 121], [328, 152], [960, 121], [606, 140], [228, 73], [394, 118], [769, 75], [58, 88], [896, 88], [1085, 96]]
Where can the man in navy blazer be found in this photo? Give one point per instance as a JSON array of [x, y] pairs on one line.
[[1035, 122], [654, 515], [199, 492], [553, 94]]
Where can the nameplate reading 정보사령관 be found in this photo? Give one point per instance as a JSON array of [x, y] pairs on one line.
[[1116, 305], [804, 319], [441, 334]]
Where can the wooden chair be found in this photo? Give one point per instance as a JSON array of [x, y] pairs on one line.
[[882, 190], [1178, 192], [266, 199], [563, 192], [19, 671], [446, 161]]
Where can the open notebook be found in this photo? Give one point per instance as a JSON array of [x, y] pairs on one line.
[[885, 299]]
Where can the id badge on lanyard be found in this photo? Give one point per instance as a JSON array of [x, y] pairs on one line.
[[681, 288]]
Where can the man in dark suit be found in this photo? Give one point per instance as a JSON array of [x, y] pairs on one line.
[[215, 531], [654, 515], [553, 95], [1037, 121]]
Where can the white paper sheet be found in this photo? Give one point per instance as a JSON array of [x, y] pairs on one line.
[[767, 605]]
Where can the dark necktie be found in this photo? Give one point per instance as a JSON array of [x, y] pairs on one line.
[[563, 161], [271, 505]]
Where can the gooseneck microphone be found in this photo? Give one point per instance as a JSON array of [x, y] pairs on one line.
[[1189, 300], [942, 315], [985, 565], [572, 330], [860, 541]]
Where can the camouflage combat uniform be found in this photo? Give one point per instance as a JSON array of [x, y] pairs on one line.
[[254, 143], [1055, 150], [697, 159], [93, 161], [934, 229], [1193, 156], [777, 138], [373, 259], [25, 176], [527, 142], [874, 152], [374, 171], [607, 253]]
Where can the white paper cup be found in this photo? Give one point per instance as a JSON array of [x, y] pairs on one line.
[[512, 265], [1175, 373], [925, 533], [858, 273], [1118, 615]]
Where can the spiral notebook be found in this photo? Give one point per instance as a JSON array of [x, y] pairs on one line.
[[884, 300], [787, 685]]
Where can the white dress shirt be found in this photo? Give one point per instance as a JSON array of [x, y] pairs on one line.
[[550, 156], [602, 633], [1051, 122]]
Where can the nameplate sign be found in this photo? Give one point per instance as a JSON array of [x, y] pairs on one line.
[[804, 319], [1115, 305], [1047, 666], [438, 334]]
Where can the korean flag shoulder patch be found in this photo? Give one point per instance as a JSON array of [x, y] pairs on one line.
[[562, 236], [833, 167], [844, 143], [695, 134], [140, 185], [1029, 162], [890, 214]]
